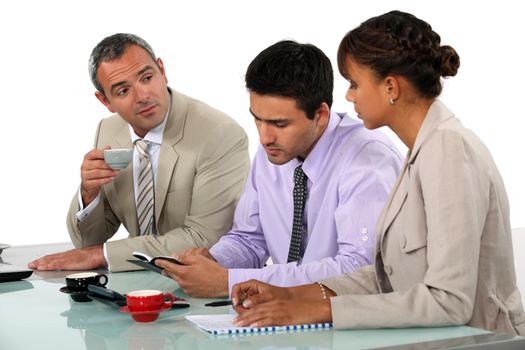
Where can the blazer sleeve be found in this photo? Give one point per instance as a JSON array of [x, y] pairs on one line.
[[220, 174], [100, 225], [363, 281], [455, 192]]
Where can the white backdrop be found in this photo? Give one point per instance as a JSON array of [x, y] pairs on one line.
[[49, 113]]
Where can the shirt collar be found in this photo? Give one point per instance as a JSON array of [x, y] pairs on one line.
[[319, 152]]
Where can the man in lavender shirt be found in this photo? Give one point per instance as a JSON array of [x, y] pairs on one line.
[[350, 172]]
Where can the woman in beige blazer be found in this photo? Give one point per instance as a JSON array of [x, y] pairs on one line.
[[444, 249]]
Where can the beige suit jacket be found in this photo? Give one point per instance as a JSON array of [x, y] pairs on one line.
[[202, 168], [444, 249]]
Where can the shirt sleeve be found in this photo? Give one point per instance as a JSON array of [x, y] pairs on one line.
[[245, 245], [365, 182]]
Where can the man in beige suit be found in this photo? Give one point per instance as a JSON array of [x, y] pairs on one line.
[[444, 247], [198, 158]]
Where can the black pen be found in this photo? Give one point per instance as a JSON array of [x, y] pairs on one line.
[[219, 303]]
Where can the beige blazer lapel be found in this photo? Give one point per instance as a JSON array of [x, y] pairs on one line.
[[394, 203], [124, 184], [168, 156]]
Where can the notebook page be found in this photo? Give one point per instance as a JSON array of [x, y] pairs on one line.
[[223, 324]]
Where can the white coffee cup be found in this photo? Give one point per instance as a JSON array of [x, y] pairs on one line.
[[118, 158]]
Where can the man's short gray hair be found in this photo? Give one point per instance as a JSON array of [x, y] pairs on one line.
[[112, 48]]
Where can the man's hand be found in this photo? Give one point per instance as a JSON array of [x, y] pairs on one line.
[[201, 277], [195, 251], [89, 258], [94, 173]]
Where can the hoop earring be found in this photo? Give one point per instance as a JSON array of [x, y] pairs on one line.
[[392, 102]]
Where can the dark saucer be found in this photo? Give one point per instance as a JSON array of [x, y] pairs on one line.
[[145, 316], [78, 296]]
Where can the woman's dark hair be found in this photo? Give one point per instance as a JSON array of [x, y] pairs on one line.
[[291, 69], [399, 43]]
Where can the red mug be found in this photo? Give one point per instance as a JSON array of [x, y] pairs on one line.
[[148, 300]]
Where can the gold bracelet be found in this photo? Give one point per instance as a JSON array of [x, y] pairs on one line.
[[322, 289]]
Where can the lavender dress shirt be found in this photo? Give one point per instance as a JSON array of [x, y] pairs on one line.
[[350, 172]]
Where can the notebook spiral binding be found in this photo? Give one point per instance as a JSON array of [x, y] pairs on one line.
[[247, 330]]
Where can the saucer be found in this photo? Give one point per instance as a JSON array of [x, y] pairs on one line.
[[145, 316], [65, 289], [79, 296]]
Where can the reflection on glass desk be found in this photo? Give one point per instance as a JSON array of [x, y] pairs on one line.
[[36, 315]]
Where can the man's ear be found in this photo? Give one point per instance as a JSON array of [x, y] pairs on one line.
[[102, 98], [323, 114], [162, 69]]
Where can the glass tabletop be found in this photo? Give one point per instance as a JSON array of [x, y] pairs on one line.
[[36, 315]]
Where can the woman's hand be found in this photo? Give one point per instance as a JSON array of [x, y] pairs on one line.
[[253, 292], [260, 304], [285, 312]]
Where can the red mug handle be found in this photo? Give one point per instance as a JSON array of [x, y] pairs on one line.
[[171, 301]]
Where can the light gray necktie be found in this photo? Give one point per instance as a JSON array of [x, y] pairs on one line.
[[146, 197]]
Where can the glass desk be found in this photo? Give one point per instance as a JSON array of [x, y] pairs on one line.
[[36, 315]]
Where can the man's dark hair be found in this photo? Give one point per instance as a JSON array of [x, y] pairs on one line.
[[290, 69], [112, 48]]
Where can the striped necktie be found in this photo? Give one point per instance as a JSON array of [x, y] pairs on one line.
[[299, 201], [146, 197]]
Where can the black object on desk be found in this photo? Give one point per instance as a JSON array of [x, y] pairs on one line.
[[148, 263], [78, 296], [106, 295], [219, 303], [10, 272]]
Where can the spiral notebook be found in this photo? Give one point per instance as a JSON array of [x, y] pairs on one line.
[[223, 324]]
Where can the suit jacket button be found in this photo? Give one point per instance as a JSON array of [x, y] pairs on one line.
[[388, 269]]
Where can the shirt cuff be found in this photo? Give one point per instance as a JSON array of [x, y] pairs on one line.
[[106, 256], [84, 212]]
